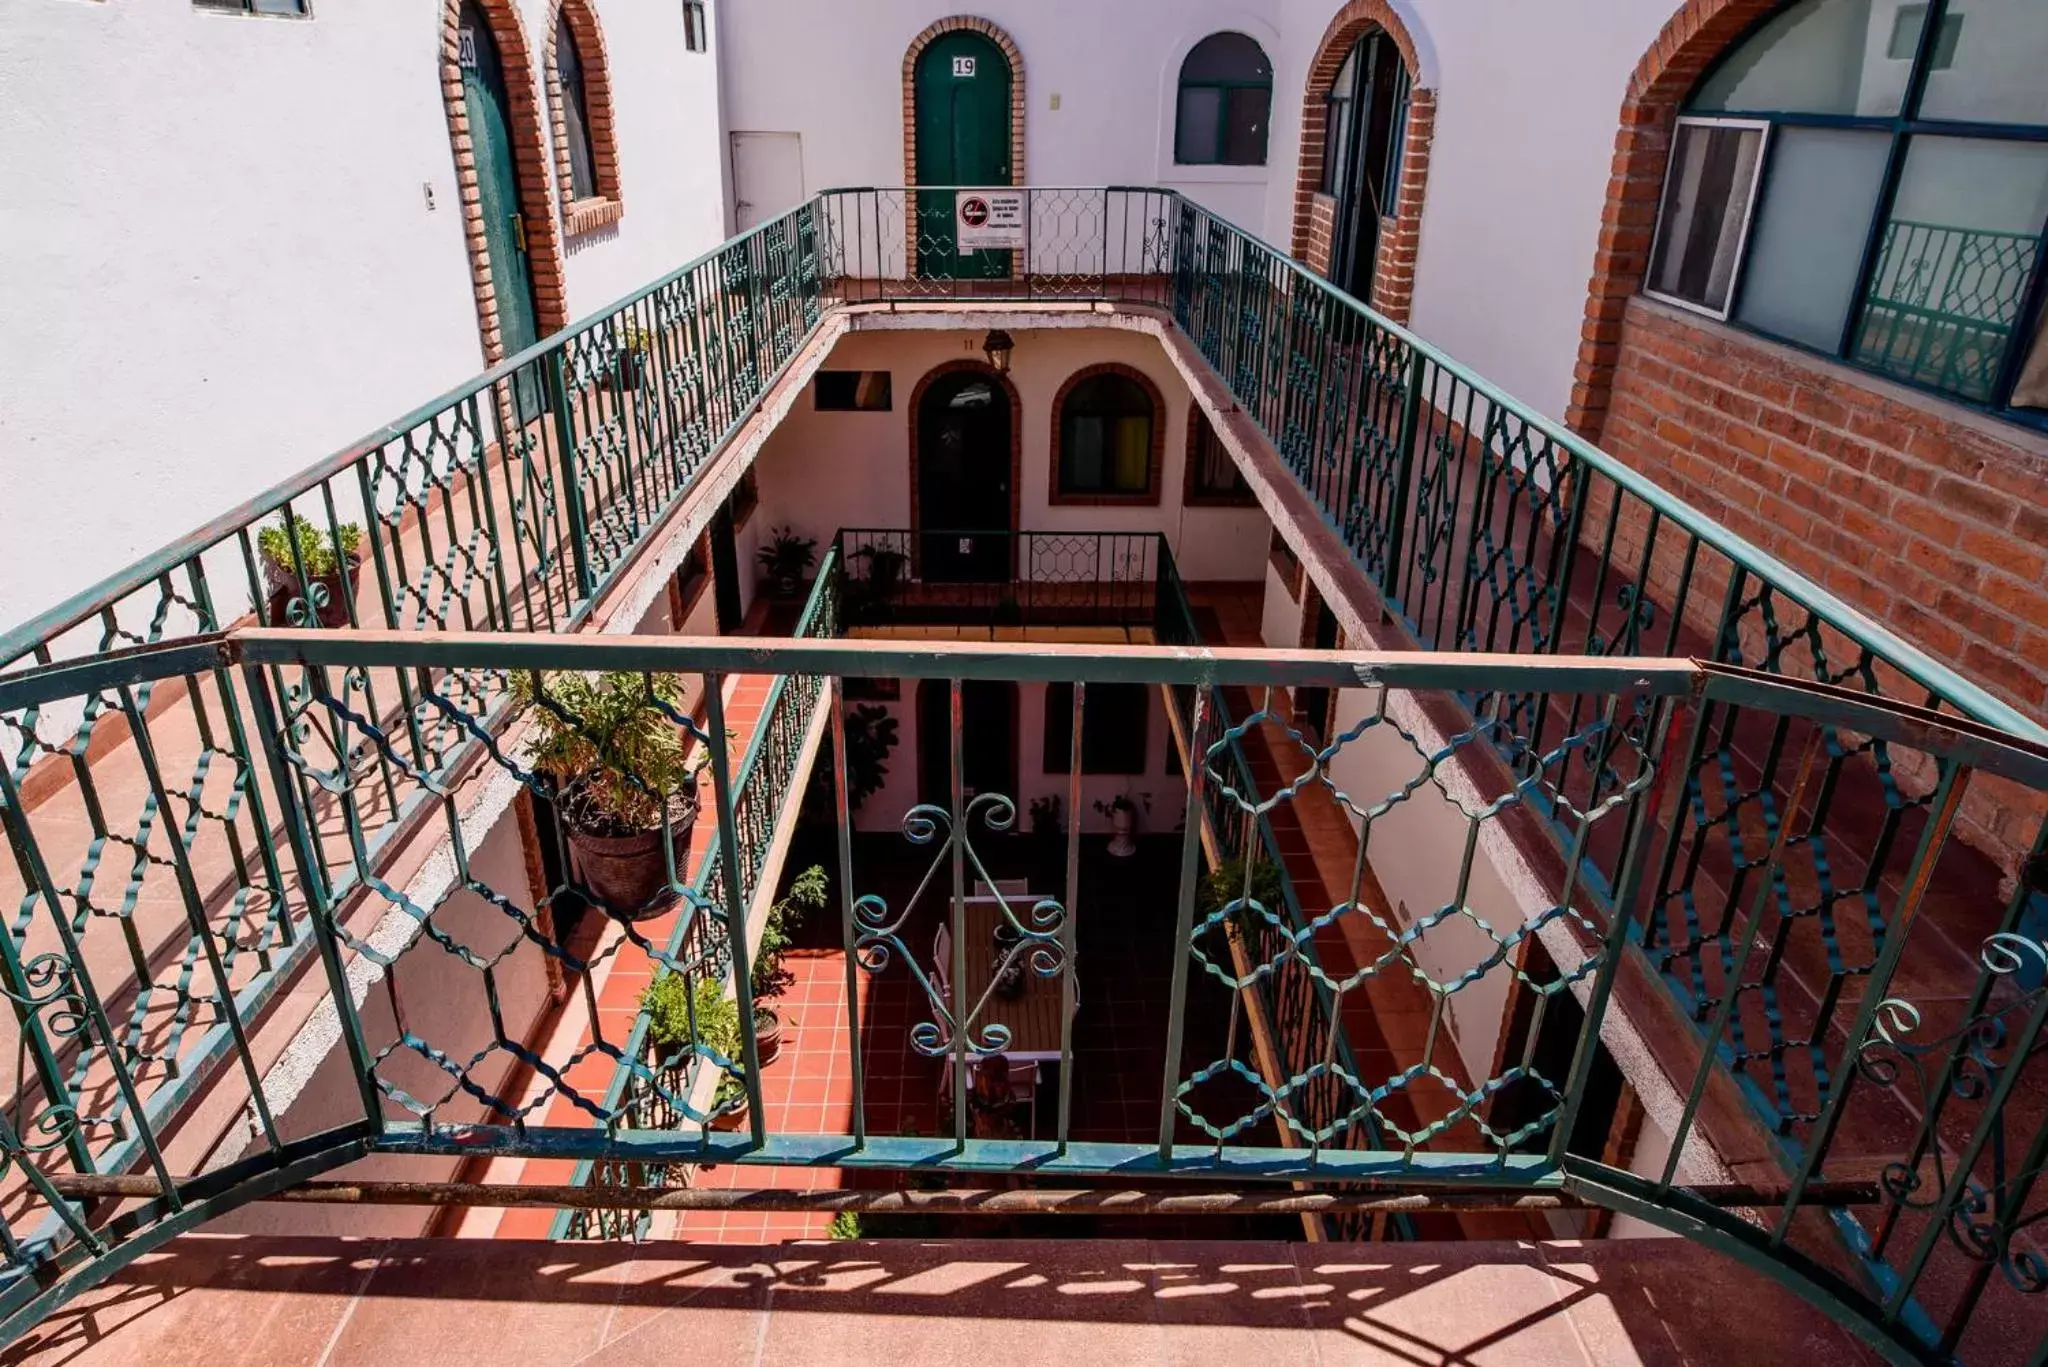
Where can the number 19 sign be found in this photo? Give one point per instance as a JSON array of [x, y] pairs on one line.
[[988, 220]]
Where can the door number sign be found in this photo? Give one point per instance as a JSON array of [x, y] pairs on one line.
[[963, 66], [988, 219]]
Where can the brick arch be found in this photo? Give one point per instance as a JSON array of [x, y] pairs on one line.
[[1393, 287], [917, 393], [605, 206], [543, 245], [1693, 37], [970, 24], [1156, 459]]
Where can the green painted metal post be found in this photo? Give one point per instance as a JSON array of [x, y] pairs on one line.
[[568, 478]]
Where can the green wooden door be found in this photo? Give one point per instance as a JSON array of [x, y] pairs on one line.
[[962, 93], [497, 173]]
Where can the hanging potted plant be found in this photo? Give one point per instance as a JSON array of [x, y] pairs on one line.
[[630, 366], [315, 552], [625, 784], [768, 976], [700, 1019], [785, 559]]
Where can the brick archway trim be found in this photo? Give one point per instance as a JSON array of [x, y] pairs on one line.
[[1315, 213], [967, 23], [544, 248], [1696, 34], [986, 371], [1156, 458], [605, 206]]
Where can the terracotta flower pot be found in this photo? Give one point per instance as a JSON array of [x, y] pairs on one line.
[[734, 1119], [767, 1034], [626, 875], [281, 587]]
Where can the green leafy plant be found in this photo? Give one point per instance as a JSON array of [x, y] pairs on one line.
[[785, 557], [1226, 884], [679, 1015], [633, 337], [618, 757], [316, 547], [870, 736], [845, 1225], [806, 894]]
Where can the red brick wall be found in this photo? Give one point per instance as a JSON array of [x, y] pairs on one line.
[[605, 206], [1929, 518], [1394, 274], [544, 248]]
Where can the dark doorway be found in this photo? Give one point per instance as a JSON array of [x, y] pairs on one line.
[[489, 108], [725, 571], [1546, 1006], [1312, 705], [988, 739], [1365, 111], [963, 480], [962, 93]]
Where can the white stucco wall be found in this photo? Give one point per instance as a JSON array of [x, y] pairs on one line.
[[833, 74], [1528, 96], [819, 472], [220, 264]]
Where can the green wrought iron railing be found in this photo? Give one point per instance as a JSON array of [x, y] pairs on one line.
[[1817, 854], [896, 576], [1979, 1150]]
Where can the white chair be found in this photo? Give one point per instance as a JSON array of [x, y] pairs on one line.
[[1024, 1086], [941, 976]]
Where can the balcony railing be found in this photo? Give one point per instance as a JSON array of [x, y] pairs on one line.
[[899, 577], [1806, 869]]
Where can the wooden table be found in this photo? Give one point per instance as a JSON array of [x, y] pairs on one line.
[[1033, 1016]]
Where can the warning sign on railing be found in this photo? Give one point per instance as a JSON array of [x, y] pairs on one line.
[[988, 219]]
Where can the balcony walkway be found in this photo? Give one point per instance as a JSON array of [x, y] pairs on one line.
[[286, 1302]]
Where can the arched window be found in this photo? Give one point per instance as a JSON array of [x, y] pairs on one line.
[[1875, 188], [1110, 438], [579, 97], [575, 111], [1365, 114], [1226, 96]]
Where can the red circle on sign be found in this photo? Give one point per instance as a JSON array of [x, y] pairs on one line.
[[974, 212]]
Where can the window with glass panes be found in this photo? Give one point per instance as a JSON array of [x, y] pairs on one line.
[[1225, 103], [1105, 434], [1213, 477], [575, 111], [1869, 179], [291, 8]]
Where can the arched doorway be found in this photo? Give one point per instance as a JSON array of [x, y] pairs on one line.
[[508, 216], [988, 739], [963, 474], [962, 94], [1366, 110]]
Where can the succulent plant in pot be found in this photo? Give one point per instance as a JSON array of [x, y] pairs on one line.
[[295, 545], [625, 781]]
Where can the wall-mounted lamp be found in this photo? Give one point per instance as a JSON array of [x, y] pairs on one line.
[[997, 346]]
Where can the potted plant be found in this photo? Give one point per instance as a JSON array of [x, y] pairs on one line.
[[1123, 821], [806, 894], [876, 586], [785, 558], [625, 784], [870, 736], [315, 554], [1048, 830], [630, 367], [1226, 884], [698, 1018]]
